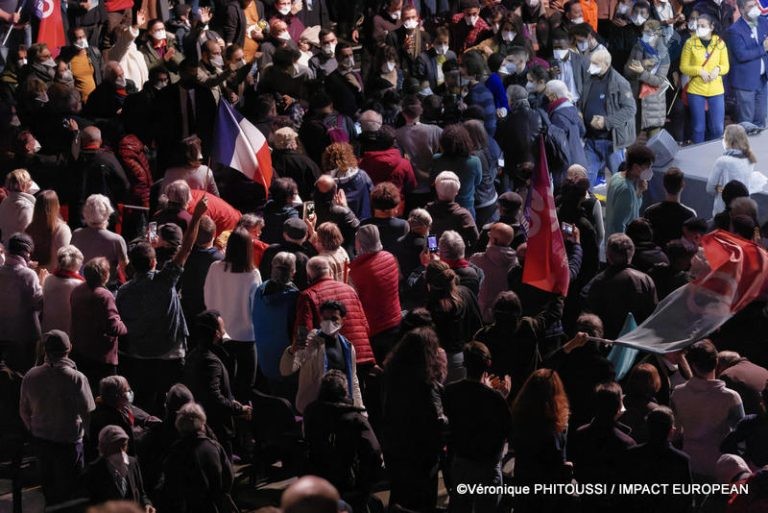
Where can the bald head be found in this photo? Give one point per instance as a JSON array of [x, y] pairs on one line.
[[112, 71], [91, 136], [576, 172], [501, 234], [325, 184], [310, 494]]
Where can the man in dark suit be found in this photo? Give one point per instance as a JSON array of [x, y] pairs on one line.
[[115, 475], [183, 109], [234, 24], [747, 47], [208, 378], [434, 58], [657, 462]]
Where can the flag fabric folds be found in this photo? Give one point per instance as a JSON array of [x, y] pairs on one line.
[[546, 262], [240, 145], [736, 276], [623, 357], [51, 29]]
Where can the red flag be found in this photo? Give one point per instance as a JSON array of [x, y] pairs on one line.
[[51, 29], [546, 262]]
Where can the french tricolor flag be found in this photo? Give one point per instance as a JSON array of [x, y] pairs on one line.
[[240, 145]]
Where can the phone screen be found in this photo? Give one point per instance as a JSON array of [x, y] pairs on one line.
[[309, 209], [152, 231], [432, 243]]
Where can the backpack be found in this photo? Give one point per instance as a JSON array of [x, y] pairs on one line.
[[555, 143], [337, 133]]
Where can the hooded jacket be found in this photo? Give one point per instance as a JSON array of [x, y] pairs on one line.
[[389, 166], [274, 314], [495, 263]]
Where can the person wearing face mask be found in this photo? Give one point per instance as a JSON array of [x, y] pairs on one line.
[[608, 110], [622, 37], [107, 99], [705, 61], [85, 62], [646, 70], [568, 65], [56, 421], [324, 62], [278, 38], [572, 14], [409, 41], [316, 351], [114, 406], [585, 41], [668, 14], [116, 475], [537, 81], [40, 64], [431, 61], [514, 69], [467, 27], [721, 12], [386, 72], [137, 108], [387, 20], [345, 83], [626, 188], [212, 71], [286, 10], [160, 49], [748, 44], [517, 135], [510, 34]]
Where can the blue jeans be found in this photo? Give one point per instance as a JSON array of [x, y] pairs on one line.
[[710, 121], [600, 155], [468, 472], [752, 106]]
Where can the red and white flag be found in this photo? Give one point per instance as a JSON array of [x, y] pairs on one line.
[[51, 28], [546, 262], [737, 270]]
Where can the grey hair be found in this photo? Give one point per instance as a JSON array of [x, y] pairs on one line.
[[112, 387], [447, 185], [283, 267], [190, 419], [451, 245], [318, 266], [619, 249], [178, 192], [371, 121], [743, 206], [97, 210], [69, 258], [368, 238], [250, 221], [557, 88], [602, 56], [419, 217]]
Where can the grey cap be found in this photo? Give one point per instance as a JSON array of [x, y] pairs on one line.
[[369, 239], [56, 342]]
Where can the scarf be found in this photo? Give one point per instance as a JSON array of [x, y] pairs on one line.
[[460, 263], [555, 104], [648, 49], [61, 273]]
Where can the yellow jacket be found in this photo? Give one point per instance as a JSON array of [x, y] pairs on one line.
[[694, 55]]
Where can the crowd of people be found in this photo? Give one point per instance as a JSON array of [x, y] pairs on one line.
[[154, 300]]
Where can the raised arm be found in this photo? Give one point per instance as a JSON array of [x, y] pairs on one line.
[[190, 236]]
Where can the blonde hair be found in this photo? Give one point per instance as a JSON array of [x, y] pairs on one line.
[[736, 138], [97, 210], [339, 156], [17, 180]]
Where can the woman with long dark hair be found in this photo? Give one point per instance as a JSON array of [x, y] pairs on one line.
[[539, 427], [228, 288], [414, 422], [455, 313], [48, 230]]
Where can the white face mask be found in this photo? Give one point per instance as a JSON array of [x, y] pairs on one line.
[[583, 46], [284, 36], [347, 63], [692, 25], [560, 54], [329, 327], [441, 49], [578, 21], [508, 35], [329, 49], [471, 20], [754, 13], [159, 35], [509, 67], [284, 10], [161, 84], [622, 9], [217, 61], [530, 87], [647, 174], [395, 15], [639, 20], [388, 67], [718, 2], [119, 460], [703, 32], [649, 38], [37, 146], [22, 62], [532, 3], [411, 24], [594, 69], [81, 44], [120, 82]]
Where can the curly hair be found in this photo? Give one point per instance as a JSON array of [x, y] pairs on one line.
[[339, 156]]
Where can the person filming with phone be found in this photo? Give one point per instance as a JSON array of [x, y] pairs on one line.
[[313, 354]]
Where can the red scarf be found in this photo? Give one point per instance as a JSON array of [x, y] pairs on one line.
[[121, 92], [61, 273], [555, 104], [456, 264]]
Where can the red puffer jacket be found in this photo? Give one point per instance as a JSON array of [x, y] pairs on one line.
[[355, 326], [375, 277], [134, 161]]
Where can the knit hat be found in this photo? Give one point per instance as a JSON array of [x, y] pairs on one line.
[[171, 233], [730, 468], [369, 239], [56, 343], [20, 242], [109, 436], [295, 228]]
